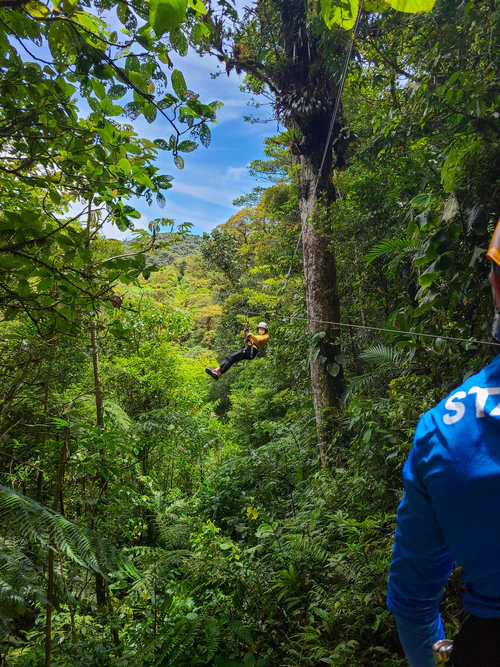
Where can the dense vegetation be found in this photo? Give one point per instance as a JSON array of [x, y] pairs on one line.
[[152, 516]]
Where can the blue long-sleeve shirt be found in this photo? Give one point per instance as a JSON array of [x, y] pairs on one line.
[[450, 513]]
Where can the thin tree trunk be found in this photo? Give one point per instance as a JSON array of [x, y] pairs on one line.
[[39, 485], [63, 457], [98, 392], [100, 589]]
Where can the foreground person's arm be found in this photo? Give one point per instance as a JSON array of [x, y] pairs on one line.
[[421, 565]]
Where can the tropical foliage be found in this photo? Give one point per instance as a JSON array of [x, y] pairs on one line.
[[152, 516]]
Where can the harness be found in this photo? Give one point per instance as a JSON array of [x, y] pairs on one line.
[[250, 343]]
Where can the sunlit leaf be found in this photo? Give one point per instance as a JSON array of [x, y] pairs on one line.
[[166, 15], [342, 13], [198, 6], [412, 6], [37, 9]]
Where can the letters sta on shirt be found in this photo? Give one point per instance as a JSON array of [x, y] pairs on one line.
[[457, 408]]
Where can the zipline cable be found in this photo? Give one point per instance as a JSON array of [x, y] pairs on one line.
[[341, 88], [328, 138], [393, 331]]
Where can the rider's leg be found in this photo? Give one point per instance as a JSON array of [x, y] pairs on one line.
[[233, 358]]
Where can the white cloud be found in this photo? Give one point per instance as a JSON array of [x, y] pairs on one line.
[[202, 220], [111, 231], [214, 194], [235, 173]]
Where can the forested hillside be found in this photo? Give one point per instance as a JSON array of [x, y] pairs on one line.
[[149, 514], [169, 248]]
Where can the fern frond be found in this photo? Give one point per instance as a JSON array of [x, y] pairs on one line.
[[361, 383], [382, 354], [242, 632], [212, 638], [392, 246], [28, 519], [19, 579]]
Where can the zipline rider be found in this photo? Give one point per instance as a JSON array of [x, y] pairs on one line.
[[450, 513], [254, 343]]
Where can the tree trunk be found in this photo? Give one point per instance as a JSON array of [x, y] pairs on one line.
[[306, 94], [100, 588], [322, 299], [98, 393], [63, 457]]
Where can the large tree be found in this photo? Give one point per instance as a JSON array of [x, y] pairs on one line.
[[288, 53]]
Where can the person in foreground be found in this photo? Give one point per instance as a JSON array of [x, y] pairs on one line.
[[450, 513], [254, 343]]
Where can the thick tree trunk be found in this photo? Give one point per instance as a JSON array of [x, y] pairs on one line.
[[322, 299]]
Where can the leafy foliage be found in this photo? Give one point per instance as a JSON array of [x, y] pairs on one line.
[[194, 523]]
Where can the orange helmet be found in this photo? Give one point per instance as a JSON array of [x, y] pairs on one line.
[[494, 249]]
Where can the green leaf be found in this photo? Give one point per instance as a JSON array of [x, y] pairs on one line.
[[23, 288], [187, 146], [427, 278], [44, 284], [36, 9], [205, 135], [116, 91], [200, 31], [161, 143], [166, 15], [149, 111], [333, 369], [124, 165], [426, 254], [342, 13], [179, 83], [167, 101], [421, 201], [179, 42], [110, 109], [98, 89], [249, 660], [132, 64], [179, 162], [55, 196], [412, 6], [198, 6]]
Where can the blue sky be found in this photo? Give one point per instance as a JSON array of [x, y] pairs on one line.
[[213, 177]]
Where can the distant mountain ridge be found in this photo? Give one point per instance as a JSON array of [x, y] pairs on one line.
[[166, 256]]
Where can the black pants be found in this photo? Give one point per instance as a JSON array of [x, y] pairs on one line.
[[477, 643], [234, 357]]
